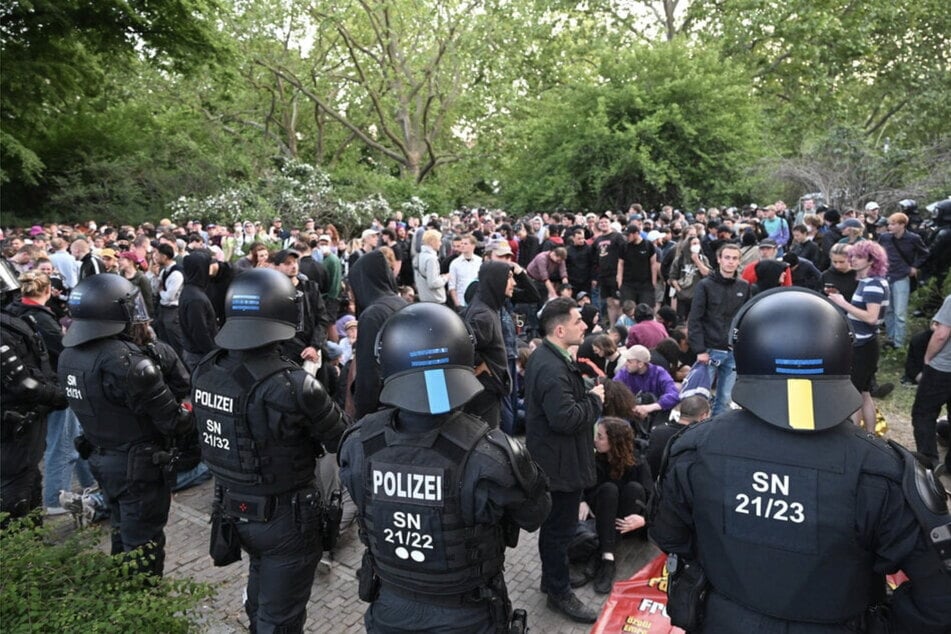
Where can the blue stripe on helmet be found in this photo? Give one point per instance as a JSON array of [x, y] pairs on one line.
[[437, 391]]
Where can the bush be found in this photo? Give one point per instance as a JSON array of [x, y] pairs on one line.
[[73, 586]]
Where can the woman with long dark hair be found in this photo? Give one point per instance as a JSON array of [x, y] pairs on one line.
[[618, 499]]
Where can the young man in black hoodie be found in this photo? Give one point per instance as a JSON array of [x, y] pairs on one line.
[[496, 283], [376, 297], [196, 314]]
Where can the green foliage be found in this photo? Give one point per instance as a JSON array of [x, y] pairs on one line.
[[663, 124], [56, 53], [73, 586]]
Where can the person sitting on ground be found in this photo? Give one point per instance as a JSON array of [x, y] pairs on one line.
[[640, 376], [647, 332], [618, 500], [627, 314], [693, 409]]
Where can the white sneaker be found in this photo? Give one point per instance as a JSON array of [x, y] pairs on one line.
[[55, 510]]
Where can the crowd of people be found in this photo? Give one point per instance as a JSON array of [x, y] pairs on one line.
[[599, 337]]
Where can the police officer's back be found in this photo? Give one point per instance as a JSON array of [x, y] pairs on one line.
[[435, 488], [261, 421], [127, 412], [793, 513], [30, 391]]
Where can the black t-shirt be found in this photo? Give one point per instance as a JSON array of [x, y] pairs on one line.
[[845, 283], [637, 262], [607, 249]]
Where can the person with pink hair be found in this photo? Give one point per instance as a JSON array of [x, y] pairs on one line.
[[866, 312]]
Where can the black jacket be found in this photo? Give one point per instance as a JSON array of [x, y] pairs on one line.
[[42, 320], [482, 315], [715, 301], [374, 291], [314, 321], [195, 312], [218, 288], [559, 419], [580, 267], [90, 265]]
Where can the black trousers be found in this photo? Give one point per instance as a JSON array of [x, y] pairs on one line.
[[556, 533], [138, 508], [934, 391], [609, 502], [284, 553], [21, 451]]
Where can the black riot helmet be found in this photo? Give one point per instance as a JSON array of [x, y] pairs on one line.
[[261, 307], [941, 212], [426, 356], [102, 306], [793, 351], [908, 206]]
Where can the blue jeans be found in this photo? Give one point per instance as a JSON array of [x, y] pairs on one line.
[[899, 291], [722, 370], [61, 457]]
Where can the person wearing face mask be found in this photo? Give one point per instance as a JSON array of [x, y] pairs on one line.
[[334, 269], [690, 265]]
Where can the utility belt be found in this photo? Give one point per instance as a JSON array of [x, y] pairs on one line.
[[145, 461], [470, 598], [248, 507], [313, 519], [493, 594]]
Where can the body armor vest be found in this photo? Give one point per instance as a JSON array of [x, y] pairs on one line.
[[242, 455], [413, 515], [22, 336], [782, 507], [106, 424]]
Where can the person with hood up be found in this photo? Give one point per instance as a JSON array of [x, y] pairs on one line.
[[376, 297], [496, 283], [196, 314]]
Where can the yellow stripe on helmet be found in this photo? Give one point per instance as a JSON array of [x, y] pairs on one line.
[[799, 404]]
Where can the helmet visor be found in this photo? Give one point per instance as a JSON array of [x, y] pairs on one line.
[[140, 313], [8, 281], [299, 301]]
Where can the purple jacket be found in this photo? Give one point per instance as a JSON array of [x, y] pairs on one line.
[[656, 381]]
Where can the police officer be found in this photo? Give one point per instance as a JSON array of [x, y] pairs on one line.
[[127, 412], [261, 422], [30, 391], [439, 494], [793, 513]]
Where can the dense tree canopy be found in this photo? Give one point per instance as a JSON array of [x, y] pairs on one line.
[[116, 109]]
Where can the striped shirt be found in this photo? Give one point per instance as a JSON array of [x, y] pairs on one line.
[[871, 290]]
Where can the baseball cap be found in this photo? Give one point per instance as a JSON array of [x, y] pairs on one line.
[[653, 235], [768, 242], [639, 353], [131, 255], [851, 223], [36, 230], [499, 247], [325, 238], [281, 256], [871, 206], [367, 233], [107, 253]]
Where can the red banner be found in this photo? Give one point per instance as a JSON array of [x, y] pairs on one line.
[[638, 605]]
